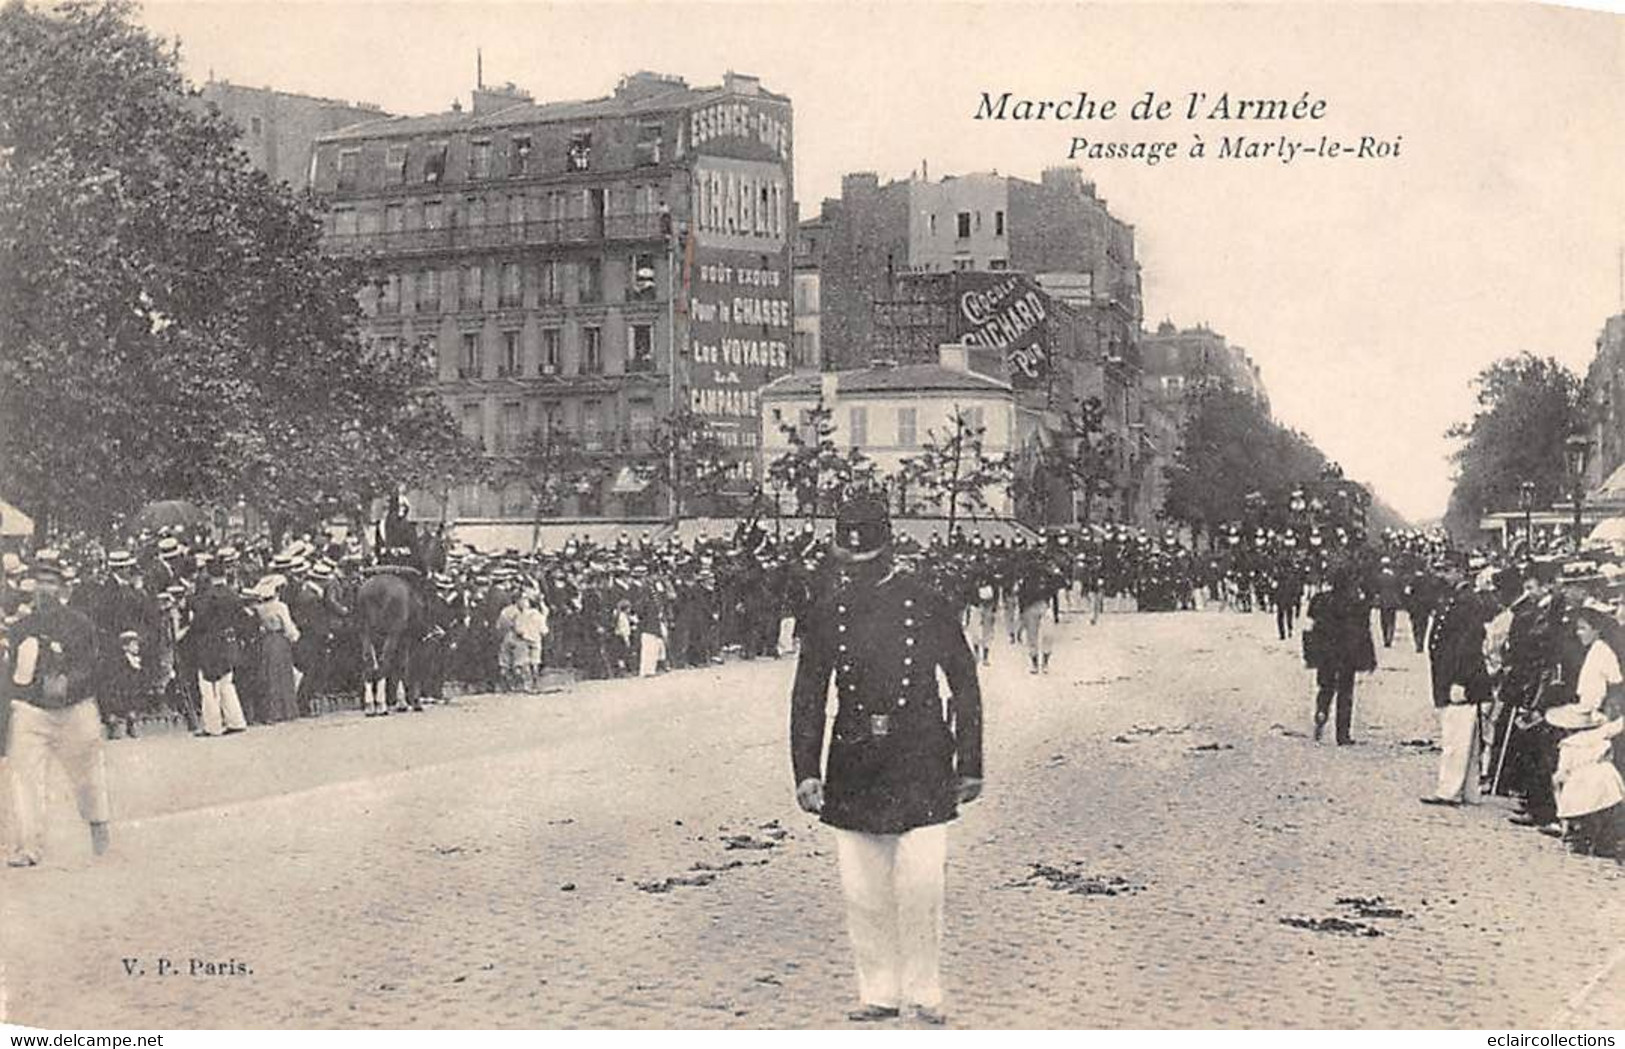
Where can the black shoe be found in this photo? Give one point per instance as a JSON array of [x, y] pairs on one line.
[[1432, 799], [873, 1013], [1320, 728], [1345, 741], [234, 731]]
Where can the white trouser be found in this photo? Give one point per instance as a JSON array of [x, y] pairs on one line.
[[1035, 627], [74, 735], [220, 697], [893, 884], [651, 650], [986, 625], [1459, 742]]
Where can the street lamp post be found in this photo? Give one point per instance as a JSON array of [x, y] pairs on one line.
[[1526, 502], [1577, 447]]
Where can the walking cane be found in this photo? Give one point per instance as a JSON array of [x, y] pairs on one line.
[[1506, 742]]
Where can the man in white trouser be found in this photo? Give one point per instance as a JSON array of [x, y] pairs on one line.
[[1465, 656], [217, 615], [900, 760], [54, 715]]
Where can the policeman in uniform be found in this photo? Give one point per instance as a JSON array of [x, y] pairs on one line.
[[900, 760]]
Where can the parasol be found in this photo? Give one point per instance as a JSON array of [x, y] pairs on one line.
[[170, 513]]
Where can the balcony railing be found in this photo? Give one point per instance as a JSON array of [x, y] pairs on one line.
[[634, 441], [502, 235]]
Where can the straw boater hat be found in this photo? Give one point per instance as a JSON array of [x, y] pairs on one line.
[[47, 571], [268, 588], [169, 547], [120, 560]]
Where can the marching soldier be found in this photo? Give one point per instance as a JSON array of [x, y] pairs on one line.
[[1036, 591], [1389, 591], [1422, 592], [897, 768]]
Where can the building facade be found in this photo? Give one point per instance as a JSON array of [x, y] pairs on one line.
[[280, 128], [807, 352], [1055, 229], [1605, 397], [1040, 270], [579, 268], [890, 411], [1179, 361]]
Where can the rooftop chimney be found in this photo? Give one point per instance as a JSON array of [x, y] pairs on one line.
[[741, 83], [829, 388], [955, 356], [635, 87], [496, 99]]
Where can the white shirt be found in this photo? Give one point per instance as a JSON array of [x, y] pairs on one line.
[[532, 624], [1600, 670]]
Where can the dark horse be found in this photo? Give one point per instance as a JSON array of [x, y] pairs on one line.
[[392, 612]]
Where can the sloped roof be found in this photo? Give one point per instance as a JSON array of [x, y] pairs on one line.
[[522, 113], [904, 378], [1612, 490]]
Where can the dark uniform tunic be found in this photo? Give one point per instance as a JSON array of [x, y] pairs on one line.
[[894, 759]]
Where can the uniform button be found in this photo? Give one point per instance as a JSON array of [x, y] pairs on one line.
[[905, 682], [908, 661], [908, 641], [840, 608], [908, 602], [902, 702], [840, 627], [841, 647], [908, 622], [845, 667]]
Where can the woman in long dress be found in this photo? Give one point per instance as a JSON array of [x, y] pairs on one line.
[[279, 698]]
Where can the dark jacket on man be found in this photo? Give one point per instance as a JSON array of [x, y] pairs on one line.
[[1341, 637], [894, 759], [69, 648]]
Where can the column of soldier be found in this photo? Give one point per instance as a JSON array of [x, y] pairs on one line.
[[630, 607]]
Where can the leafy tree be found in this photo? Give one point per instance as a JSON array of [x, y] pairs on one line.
[[1229, 448], [954, 471], [1527, 407], [551, 464], [1085, 455], [687, 459], [169, 327], [814, 469]]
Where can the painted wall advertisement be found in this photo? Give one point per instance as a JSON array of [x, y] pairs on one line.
[[739, 341], [737, 281], [1006, 313]]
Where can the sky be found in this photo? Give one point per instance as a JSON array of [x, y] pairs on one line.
[[1369, 291]]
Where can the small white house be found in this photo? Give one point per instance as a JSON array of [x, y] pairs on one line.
[[888, 411]]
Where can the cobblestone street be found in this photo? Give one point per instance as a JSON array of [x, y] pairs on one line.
[[1158, 831]]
